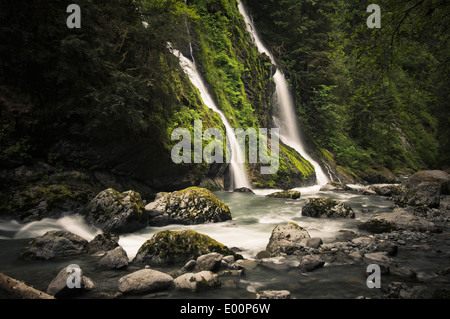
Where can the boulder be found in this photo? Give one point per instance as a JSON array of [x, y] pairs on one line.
[[263, 254], [114, 259], [54, 244], [430, 176], [211, 262], [387, 190], [287, 239], [310, 263], [203, 280], [421, 194], [314, 242], [335, 186], [285, 194], [58, 287], [103, 243], [190, 206], [144, 281], [167, 247], [399, 219], [273, 294], [326, 207], [244, 190], [112, 211]]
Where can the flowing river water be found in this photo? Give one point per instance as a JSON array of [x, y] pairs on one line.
[[254, 217]]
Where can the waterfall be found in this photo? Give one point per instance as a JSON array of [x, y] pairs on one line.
[[237, 169], [286, 119]]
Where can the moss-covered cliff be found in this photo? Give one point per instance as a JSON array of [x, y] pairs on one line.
[[105, 98]]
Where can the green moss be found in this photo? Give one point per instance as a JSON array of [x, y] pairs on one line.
[[180, 246]]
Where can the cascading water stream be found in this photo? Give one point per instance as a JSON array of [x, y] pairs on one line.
[[290, 133], [237, 169]]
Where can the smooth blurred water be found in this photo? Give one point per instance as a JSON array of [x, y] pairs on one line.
[[254, 217]]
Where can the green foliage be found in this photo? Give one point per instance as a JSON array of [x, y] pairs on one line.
[[369, 96]]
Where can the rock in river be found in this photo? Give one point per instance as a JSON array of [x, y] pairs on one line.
[[285, 194], [203, 280], [112, 211], [326, 207], [55, 244], [190, 206], [166, 247], [144, 281], [114, 259], [399, 219], [287, 239], [59, 288]]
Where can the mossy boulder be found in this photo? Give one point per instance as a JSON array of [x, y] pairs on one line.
[[31, 202], [54, 244], [112, 211], [326, 207], [193, 205], [168, 247]]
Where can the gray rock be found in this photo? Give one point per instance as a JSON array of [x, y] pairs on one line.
[[55, 244], [378, 258], [399, 219], [190, 206], [273, 294], [112, 211], [263, 254], [326, 207], [203, 280], [387, 190], [422, 194], [310, 263], [387, 246], [436, 176], [229, 259], [144, 281], [209, 262], [244, 190], [58, 287], [362, 241], [405, 272], [287, 239], [314, 242], [335, 186], [114, 259], [103, 243], [285, 194]]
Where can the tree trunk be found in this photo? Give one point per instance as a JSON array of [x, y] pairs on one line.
[[20, 290]]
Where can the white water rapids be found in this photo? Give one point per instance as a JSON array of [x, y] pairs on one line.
[[290, 133]]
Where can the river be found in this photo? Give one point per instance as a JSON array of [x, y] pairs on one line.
[[254, 217]]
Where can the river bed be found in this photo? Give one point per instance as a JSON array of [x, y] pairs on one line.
[[254, 217]]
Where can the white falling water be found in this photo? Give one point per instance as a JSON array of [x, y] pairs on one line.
[[237, 169], [287, 120]]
